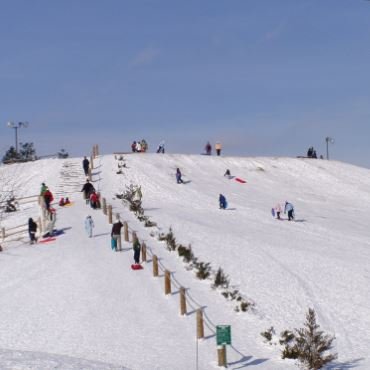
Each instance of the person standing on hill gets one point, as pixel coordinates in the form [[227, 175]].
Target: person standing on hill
[[218, 148], [116, 233], [160, 148], [137, 247], [278, 210], [43, 188], [222, 201], [290, 209], [89, 225], [32, 228], [85, 165], [48, 198], [178, 176], [208, 148]]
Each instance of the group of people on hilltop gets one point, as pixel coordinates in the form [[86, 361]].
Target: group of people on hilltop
[[311, 152], [208, 148], [139, 146]]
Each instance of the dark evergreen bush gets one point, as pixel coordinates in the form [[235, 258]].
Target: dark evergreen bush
[[221, 280], [203, 270]]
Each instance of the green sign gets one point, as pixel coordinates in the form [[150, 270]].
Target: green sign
[[223, 334]]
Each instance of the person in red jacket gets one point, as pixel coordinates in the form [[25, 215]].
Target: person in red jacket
[[94, 200], [48, 197]]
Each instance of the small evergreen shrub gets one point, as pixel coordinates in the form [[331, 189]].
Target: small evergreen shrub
[[221, 280], [268, 334], [286, 337], [203, 270], [171, 241], [310, 346], [149, 223], [245, 305], [186, 253]]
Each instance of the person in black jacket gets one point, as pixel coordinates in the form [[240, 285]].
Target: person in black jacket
[[32, 228], [85, 165], [87, 189], [116, 233]]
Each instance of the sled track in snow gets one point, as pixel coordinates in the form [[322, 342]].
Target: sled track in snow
[[28, 360], [71, 179]]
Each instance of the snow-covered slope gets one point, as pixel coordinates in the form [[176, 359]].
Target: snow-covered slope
[[78, 298]]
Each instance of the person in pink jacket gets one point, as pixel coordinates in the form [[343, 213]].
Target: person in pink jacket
[[278, 210]]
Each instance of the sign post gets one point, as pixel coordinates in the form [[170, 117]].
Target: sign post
[[223, 337]]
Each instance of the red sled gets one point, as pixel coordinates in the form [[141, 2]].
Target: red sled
[[238, 179], [136, 266], [47, 240]]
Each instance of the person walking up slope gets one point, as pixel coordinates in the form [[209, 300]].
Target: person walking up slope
[[89, 225], [116, 233], [87, 189], [32, 228], [290, 209], [85, 165], [278, 210], [178, 176], [136, 247], [222, 201]]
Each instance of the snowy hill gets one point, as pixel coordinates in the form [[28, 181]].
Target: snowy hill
[[77, 298]]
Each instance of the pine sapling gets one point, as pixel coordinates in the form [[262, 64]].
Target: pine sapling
[[221, 280], [310, 345]]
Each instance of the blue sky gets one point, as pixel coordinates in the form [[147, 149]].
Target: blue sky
[[264, 77]]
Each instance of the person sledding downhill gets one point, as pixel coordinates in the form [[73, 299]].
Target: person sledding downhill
[[290, 209], [222, 201]]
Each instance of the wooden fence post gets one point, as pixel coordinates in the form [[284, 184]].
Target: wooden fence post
[[155, 265], [91, 162], [125, 229], [221, 356], [39, 225], [143, 252], [182, 301], [167, 282], [200, 324], [110, 214], [3, 233], [104, 206]]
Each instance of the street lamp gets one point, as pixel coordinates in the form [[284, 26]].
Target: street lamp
[[16, 126], [331, 141]]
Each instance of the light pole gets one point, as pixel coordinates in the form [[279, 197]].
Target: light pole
[[331, 141], [16, 126]]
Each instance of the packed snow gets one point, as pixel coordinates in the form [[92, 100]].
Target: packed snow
[[75, 304]]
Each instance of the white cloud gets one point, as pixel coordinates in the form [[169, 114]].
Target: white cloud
[[145, 57]]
